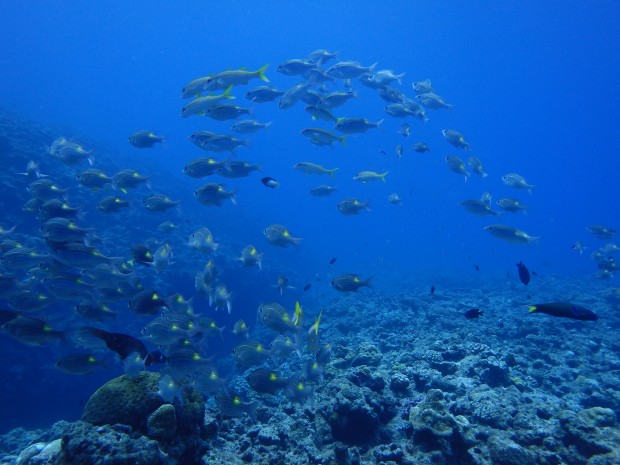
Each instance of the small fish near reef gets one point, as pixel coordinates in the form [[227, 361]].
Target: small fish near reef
[[564, 310], [524, 273], [473, 313]]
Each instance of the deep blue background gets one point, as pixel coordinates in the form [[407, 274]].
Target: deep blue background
[[535, 89]]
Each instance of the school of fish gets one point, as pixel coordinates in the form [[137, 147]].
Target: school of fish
[[65, 265]]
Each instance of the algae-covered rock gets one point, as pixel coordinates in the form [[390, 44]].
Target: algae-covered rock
[[367, 354], [131, 400], [191, 412], [505, 451], [125, 400], [436, 429], [85, 444], [162, 423], [593, 431]]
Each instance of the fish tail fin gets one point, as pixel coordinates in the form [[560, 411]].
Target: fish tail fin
[[532, 308], [382, 176], [535, 240], [379, 123], [227, 93], [261, 72], [343, 140], [332, 172]]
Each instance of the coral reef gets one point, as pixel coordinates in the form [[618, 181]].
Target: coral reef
[[483, 393]]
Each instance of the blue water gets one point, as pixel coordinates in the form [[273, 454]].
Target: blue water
[[534, 88]]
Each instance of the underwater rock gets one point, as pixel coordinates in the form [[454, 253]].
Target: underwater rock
[[399, 383], [210, 425], [365, 377], [366, 354], [493, 371], [495, 407], [162, 423], [351, 419], [49, 454], [268, 436], [593, 431], [29, 452], [125, 400], [133, 401], [85, 444], [130, 400], [190, 413], [504, 451], [613, 458], [388, 453], [436, 429]]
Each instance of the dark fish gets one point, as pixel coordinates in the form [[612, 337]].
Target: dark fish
[[275, 316], [524, 274], [297, 391], [307, 287], [31, 331], [141, 254], [270, 182], [146, 302], [125, 345], [564, 310], [312, 372], [144, 139], [333, 260], [349, 282], [112, 204], [476, 267], [79, 364], [232, 406], [473, 313], [432, 289], [250, 353], [265, 381]]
